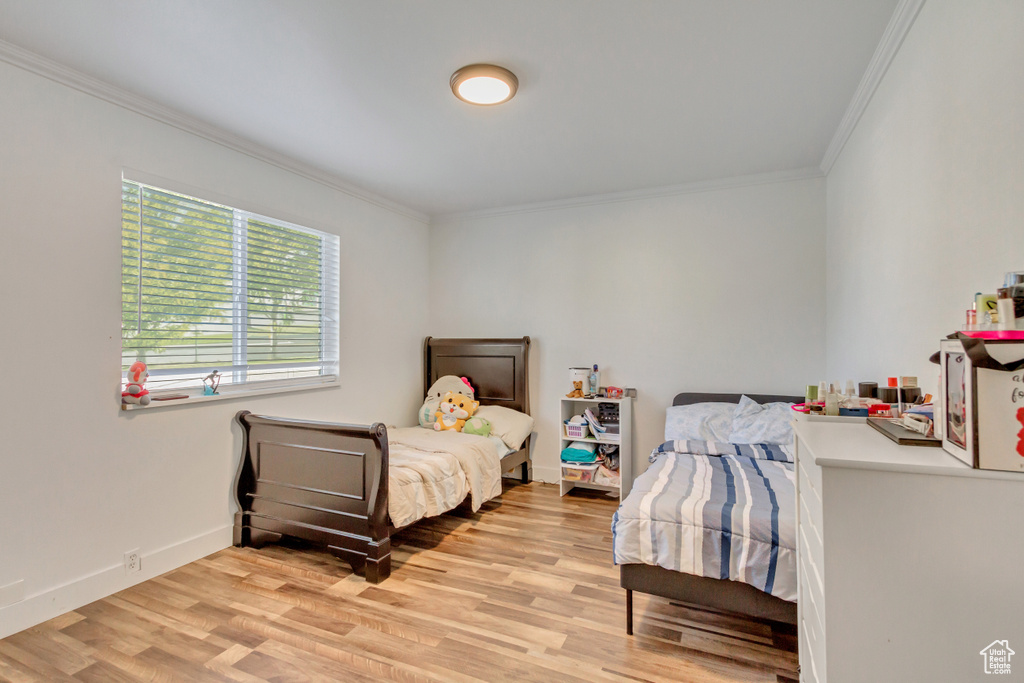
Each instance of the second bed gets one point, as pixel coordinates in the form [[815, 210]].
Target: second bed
[[713, 520]]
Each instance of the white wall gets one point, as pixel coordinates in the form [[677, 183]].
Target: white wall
[[80, 481], [709, 291], [924, 203]]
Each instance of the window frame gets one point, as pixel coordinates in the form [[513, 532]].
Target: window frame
[[239, 370]]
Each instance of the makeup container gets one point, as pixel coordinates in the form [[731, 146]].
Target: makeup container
[[985, 305], [888, 394], [1005, 311], [867, 389], [832, 400], [1013, 289]]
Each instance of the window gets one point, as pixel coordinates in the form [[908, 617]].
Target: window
[[206, 288]]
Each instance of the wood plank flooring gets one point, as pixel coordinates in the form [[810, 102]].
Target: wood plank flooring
[[524, 590]]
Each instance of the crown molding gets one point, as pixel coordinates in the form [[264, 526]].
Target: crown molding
[[899, 25], [635, 195], [54, 71]]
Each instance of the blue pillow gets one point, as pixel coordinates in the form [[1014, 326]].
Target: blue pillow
[[768, 423], [699, 422]]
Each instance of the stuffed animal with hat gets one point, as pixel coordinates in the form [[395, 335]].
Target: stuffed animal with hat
[[438, 389], [136, 393]]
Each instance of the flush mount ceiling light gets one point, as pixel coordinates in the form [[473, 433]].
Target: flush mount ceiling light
[[484, 84]]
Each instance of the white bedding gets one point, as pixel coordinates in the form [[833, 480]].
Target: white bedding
[[432, 472]]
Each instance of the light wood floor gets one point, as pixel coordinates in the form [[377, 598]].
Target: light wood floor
[[522, 591]]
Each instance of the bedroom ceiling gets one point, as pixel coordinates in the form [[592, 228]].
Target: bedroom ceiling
[[613, 95]]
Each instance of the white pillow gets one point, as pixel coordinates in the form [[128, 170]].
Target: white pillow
[[512, 426], [699, 422], [768, 423]]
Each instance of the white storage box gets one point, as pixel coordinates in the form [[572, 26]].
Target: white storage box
[[982, 397]]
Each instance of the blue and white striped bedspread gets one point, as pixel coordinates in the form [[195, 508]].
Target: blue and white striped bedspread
[[722, 516]]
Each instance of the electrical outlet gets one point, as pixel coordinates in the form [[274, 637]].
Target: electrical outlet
[[132, 561]]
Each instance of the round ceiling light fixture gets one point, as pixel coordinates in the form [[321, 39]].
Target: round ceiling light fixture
[[484, 84]]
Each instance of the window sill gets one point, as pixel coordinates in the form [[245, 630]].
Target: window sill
[[227, 394]]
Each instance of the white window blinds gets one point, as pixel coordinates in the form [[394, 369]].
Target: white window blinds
[[207, 287]]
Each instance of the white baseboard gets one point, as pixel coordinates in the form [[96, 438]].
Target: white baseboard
[[40, 607], [549, 475]]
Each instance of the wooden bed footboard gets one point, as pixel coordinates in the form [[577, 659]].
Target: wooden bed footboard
[[318, 481]]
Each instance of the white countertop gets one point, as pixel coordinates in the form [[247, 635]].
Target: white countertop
[[858, 446]]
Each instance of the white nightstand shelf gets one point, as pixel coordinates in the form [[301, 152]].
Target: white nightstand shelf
[[624, 440]]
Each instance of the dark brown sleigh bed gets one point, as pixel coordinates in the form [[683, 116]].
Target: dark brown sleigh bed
[[724, 595], [328, 483]]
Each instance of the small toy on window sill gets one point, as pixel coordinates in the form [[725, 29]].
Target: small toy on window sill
[[210, 383], [135, 392]]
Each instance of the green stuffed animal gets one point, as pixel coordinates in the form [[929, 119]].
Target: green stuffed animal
[[478, 426]]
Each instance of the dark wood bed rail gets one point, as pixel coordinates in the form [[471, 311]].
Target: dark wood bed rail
[[318, 481]]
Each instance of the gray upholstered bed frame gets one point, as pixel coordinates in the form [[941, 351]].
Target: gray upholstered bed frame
[[328, 483], [719, 594]]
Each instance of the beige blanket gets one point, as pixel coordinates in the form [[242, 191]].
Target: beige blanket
[[431, 472]]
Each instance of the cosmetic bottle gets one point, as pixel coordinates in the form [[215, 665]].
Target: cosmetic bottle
[[595, 381], [1013, 289], [832, 400], [1004, 309], [985, 305]]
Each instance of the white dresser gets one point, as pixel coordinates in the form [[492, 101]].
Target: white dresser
[[910, 563]]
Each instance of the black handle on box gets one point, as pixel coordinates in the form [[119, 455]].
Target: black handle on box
[[975, 350]]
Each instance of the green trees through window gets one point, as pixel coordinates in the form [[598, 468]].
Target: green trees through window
[[207, 287]]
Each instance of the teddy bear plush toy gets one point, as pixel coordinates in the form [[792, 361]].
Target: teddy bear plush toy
[[453, 412], [444, 384], [136, 392], [577, 390]]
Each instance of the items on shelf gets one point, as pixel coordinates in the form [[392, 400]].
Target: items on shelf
[[608, 414], [577, 390], [595, 424], [596, 441], [577, 427], [869, 400], [579, 472], [586, 383], [579, 378], [999, 315], [580, 452]]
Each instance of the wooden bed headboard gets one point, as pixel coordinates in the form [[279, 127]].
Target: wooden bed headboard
[[497, 368], [688, 398]]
